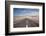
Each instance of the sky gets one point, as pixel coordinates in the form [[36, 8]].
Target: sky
[[25, 12]]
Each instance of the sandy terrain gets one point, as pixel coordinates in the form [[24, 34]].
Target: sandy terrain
[[22, 21]]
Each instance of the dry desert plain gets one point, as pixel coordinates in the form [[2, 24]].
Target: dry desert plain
[[25, 21]]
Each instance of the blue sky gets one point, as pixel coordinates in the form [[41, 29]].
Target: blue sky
[[25, 12]]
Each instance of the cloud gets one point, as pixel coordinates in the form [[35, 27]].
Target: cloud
[[25, 12]]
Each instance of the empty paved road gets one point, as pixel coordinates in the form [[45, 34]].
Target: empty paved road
[[26, 23]]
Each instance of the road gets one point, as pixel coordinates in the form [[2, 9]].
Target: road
[[26, 23]]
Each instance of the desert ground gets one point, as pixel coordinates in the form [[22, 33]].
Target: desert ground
[[26, 21]]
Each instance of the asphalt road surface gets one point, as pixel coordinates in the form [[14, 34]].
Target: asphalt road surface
[[26, 23]]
